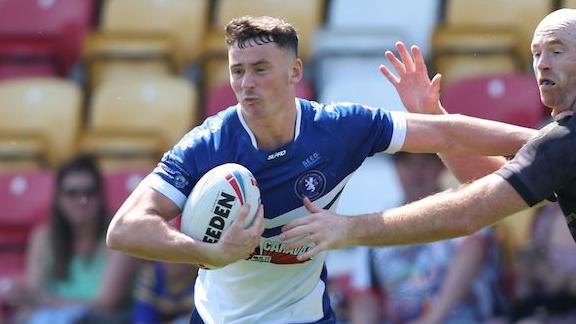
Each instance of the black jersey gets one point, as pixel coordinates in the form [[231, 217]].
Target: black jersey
[[546, 168]]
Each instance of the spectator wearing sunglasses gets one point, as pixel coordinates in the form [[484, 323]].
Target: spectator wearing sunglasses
[[70, 274]]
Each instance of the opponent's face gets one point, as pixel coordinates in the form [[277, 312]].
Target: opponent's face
[[263, 76], [554, 62], [78, 197]]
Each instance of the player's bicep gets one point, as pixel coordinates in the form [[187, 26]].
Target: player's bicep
[[145, 200], [423, 135]]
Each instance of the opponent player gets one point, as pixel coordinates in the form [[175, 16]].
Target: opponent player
[[295, 148], [545, 168]]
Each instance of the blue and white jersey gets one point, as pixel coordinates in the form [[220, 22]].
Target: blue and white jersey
[[330, 143]]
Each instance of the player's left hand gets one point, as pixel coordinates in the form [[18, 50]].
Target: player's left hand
[[325, 229], [418, 93]]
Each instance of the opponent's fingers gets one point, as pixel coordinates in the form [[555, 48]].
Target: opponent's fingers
[[310, 206], [294, 229], [405, 55], [389, 75], [396, 63], [436, 81], [311, 253], [418, 59], [299, 241]]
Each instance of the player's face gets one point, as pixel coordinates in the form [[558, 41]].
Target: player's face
[[78, 197], [554, 62], [263, 76]]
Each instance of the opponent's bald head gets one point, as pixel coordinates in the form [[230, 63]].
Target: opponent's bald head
[[564, 19]]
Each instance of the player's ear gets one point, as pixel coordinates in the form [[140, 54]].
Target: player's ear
[[297, 71]]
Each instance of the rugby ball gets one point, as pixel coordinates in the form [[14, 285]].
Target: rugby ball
[[215, 202]]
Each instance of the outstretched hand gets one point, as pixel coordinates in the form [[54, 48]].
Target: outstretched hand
[[418, 93], [325, 229]]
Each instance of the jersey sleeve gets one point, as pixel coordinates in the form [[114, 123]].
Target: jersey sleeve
[[179, 169], [373, 129], [543, 166]]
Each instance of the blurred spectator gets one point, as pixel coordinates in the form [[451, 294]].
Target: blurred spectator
[[164, 293], [70, 274], [452, 281], [546, 272]]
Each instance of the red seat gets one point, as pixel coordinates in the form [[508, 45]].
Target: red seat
[[26, 201], [223, 96], [509, 98], [119, 184], [53, 29]]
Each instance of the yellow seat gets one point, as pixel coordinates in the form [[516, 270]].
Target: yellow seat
[[171, 32], [493, 17], [139, 118], [457, 66], [39, 121]]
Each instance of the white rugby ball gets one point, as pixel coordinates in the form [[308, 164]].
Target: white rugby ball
[[215, 202]]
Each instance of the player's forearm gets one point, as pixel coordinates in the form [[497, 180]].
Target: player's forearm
[[150, 237], [483, 137], [442, 216], [467, 168]]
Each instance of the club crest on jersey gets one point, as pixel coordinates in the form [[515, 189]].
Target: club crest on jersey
[[310, 184]]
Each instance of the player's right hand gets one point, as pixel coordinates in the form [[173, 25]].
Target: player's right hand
[[237, 243]]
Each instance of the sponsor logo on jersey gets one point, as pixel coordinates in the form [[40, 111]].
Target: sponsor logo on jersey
[[276, 155], [311, 160], [274, 251], [310, 184]]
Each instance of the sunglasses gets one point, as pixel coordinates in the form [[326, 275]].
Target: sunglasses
[[79, 192]]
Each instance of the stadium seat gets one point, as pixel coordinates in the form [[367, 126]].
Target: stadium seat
[[393, 17], [26, 201], [39, 120], [509, 98], [138, 118], [167, 30], [461, 65], [118, 185], [487, 17], [47, 30], [223, 97]]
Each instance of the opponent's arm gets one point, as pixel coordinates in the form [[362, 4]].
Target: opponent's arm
[[140, 228], [441, 216], [419, 94]]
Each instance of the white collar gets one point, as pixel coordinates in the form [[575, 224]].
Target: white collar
[[249, 131]]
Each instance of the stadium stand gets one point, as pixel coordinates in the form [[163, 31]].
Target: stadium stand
[[118, 184], [39, 121], [374, 16], [132, 121], [42, 37], [494, 34], [568, 4], [26, 201], [162, 35], [509, 98]]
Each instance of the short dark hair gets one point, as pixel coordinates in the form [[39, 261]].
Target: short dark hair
[[248, 30]]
